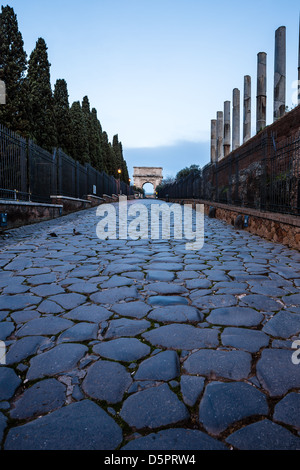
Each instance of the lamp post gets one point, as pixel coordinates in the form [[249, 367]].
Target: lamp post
[[119, 173]]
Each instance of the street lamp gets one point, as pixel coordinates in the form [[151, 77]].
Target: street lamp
[[119, 173]]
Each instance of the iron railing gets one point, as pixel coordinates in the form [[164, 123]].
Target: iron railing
[[263, 174], [28, 172]]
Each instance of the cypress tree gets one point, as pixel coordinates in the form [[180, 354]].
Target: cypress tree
[[96, 155], [13, 63], [62, 116], [42, 124], [109, 157], [79, 134], [118, 156]]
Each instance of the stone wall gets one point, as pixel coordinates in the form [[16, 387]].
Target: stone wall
[[278, 228], [25, 213]]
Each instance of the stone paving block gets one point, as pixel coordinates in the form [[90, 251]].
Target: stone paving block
[[165, 288], [167, 266], [235, 365], [187, 337], [292, 300], [61, 358], [83, 287], [126, 327], [106, 381], [176, 314], [276, 371], [9, 382], [24, 348], [136, 309], [43, 397], [50, 307], [287, 411], [224, 404], [6, 329], [41, 279], [122, 349], [264, 435], [235, 316], [113, 295], [161, 300], [79, 332], [175, 439], [160, 275], [79, 426], [283, 325], [153, 408], [18, 302], [68, 301], [214, 301], [163, 366], [118, 268], [89, 313], [191, 388], [44, 326], [242, 338], [261, 302], [24, 315], [117, 281], [45, 290]]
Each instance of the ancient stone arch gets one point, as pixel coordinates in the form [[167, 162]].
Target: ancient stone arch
[[143, 175]]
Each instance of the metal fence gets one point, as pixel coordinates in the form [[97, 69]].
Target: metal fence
[[264, 175], [28, 172]]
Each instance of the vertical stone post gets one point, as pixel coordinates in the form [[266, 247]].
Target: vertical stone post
[[213, 141], [261, 105], [236, 119], [247, 108], [280, 73], [220, 133], [227, 128]]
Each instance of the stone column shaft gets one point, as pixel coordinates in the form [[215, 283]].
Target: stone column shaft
[[227, 128], [236, 119], [261, 105], [220, 133], [280, 73], [247, 108], [213, 141]]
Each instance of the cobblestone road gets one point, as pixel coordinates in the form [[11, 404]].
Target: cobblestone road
[[142, 345]]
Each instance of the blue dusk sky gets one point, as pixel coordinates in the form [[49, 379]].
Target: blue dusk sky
[[157, 71]]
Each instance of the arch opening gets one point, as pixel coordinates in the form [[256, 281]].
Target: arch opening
[[149, 189]]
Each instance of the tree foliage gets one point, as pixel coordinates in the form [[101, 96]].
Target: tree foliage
[[34, 110], [13, 64], [193, 169]]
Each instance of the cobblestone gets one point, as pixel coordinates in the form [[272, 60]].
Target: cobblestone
[[106, 338]]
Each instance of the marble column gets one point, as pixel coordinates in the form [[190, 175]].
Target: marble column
[[236, 119], [280, 73], [220, 133], [227, 128], [261, 105], [247, 108], [213, 141]]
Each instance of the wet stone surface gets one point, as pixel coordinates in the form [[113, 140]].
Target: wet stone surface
[[143, 345]]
